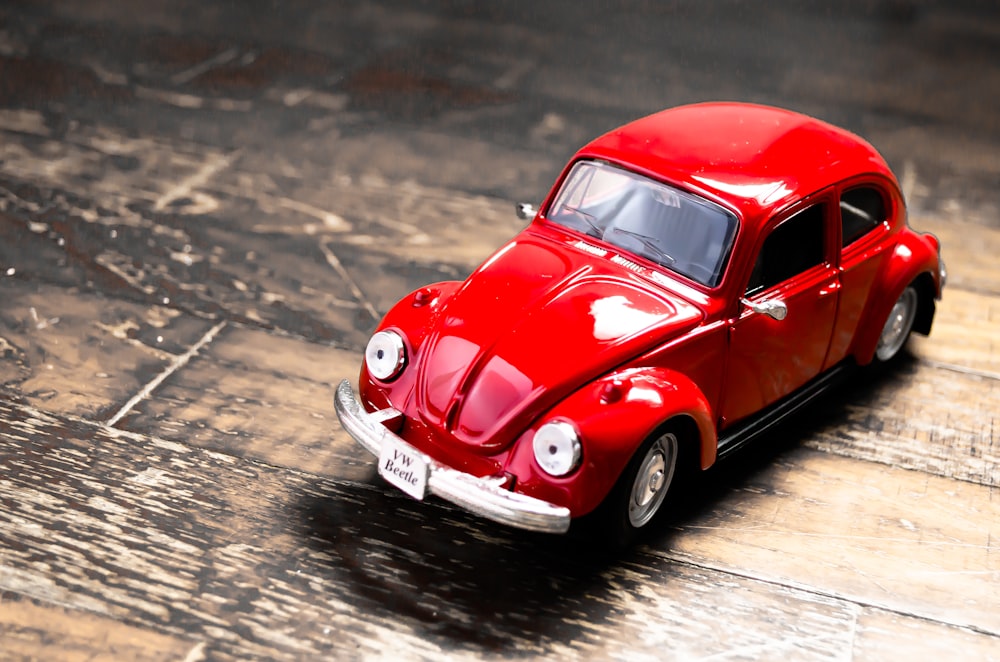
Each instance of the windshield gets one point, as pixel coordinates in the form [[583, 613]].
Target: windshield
[[673, 228]]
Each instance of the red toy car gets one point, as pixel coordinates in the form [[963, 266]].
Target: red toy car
[[692, 278]]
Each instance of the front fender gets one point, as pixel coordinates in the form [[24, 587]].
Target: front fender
[[412, 316], [614, 415], [413, 313]]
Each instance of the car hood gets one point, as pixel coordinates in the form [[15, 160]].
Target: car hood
[[537, 321]]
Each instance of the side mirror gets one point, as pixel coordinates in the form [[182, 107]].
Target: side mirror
[[525, 211], [773, 308]]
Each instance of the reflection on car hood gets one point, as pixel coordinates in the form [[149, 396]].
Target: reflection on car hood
[[534, 323]]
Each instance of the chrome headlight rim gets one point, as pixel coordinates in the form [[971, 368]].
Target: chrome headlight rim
[[385, 355], [557, 448]]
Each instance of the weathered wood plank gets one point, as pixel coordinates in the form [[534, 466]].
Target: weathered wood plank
[[33, 630], [895, 539], [257, 560], [296, 175], [212, 238], [966, 332], [269, 398], [381, 207], [969, 251], [884, 635], [261, 396], [921, 416], [168, 258], [84, 354]]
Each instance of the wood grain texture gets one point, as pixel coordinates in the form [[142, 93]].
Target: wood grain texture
[[263, 397], [969, 251], [105, 348], [966, 333], [891, 538], [256, 560], [923, 417], [205, 207], [33, 630], [885, 635]]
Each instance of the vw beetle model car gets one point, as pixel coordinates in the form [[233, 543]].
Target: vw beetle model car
[[692, 278]]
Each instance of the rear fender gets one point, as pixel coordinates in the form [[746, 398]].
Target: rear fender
[[614, 415], [915, 258]]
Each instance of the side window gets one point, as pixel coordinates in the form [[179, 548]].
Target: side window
[[790, 249], [862, 210]]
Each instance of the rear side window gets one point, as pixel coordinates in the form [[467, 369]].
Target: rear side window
[[791, 248], [862, 210]]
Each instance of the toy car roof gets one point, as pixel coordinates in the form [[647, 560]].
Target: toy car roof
[[754, 159]]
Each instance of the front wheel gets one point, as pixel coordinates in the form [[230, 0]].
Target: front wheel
[[652, 480], [898, 326], [637, 496]]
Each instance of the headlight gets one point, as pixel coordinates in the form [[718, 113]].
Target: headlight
[[557, 448], [385, 355]]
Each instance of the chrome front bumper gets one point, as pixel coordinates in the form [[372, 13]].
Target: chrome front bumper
[[483, 496]]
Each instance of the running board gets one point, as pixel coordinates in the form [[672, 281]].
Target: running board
[[742, 433]]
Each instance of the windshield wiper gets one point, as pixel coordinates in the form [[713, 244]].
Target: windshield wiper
[[589, 220], [648, 243]]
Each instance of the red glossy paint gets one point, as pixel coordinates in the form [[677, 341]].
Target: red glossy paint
[[555, 318], [559, 325], [754, 159]]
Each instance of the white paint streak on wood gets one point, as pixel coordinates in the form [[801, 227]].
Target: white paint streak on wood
[[178, 99], [330, 222], [193, 72], [191, 101], [105, 75], [308, 97], [334, 262], [196, 654], [514, 73], [965, 370], [199, 178], [175, 365]]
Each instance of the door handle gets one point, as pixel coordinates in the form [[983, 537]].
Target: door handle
[[773, 308]]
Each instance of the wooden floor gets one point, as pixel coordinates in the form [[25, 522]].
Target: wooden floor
[[206, 206]]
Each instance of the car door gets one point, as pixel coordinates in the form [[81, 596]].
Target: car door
[[864, 212], [769, 358]]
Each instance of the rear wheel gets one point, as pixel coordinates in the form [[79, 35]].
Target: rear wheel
[[898, 325]]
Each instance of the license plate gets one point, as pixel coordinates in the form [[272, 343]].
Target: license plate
[[401, 465]]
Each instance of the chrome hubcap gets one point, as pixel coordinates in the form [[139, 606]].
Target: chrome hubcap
[[897, 327], [655, 480], [652, 480]]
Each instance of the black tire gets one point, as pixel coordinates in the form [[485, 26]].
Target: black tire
[[898, 325], [637, 497]]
